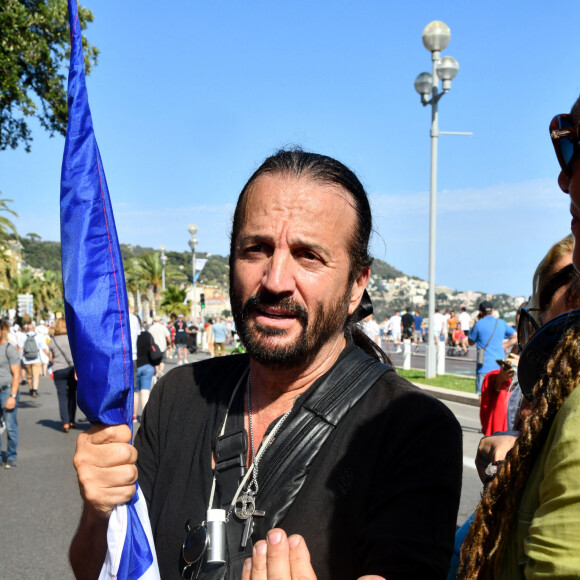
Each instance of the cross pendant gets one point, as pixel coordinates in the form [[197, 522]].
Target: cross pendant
[[249, 526]]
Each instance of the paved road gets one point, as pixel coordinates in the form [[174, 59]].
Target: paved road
[[468, 417], [41, 504], [461, 365]]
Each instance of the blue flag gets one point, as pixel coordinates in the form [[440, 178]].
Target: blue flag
[[96, 308]]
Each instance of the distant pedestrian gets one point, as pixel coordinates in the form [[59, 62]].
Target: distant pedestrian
[[439, 326], [208, 333], [452, 322], [407, 324], [193, 328], [9, 395], [396, 330], [145, 372], [489, 333], [459, 339], [219, 334], [181, 339], [371, 328], [464, 320], [30, 356], [64, 376], [42, 331], [419, 330], [161, 336]]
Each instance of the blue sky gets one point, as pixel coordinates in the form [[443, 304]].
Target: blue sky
[[188, 98]]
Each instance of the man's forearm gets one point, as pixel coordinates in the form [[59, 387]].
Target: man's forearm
[[89, 546]]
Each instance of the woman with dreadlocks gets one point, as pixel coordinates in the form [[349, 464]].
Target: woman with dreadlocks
[[528, 522]]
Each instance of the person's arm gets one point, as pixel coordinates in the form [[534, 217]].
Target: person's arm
[[513, 339], [11, 401], [105, 464], [504, 376], [472, 336]]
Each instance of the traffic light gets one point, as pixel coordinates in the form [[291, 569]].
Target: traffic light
[[202, 300]]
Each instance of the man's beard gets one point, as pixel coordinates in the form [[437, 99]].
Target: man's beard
[[317, 328]]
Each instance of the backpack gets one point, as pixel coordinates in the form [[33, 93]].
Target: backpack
[[30, 349]]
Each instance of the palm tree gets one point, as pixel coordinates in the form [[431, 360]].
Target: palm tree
[[150, 269], [7, 228], [48, 292], [173, 301], [132, 281]]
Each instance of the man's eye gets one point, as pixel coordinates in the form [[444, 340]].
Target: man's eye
[[256, 249], [309, 256]]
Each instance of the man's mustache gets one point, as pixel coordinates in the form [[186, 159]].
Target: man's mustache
[[269, 299]]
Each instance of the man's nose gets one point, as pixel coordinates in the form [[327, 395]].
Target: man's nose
[[279, 275]]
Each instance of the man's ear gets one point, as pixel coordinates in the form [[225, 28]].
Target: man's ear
[[358, 287]]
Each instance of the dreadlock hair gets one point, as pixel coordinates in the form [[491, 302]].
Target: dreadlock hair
[[485, 544], [328, 171]]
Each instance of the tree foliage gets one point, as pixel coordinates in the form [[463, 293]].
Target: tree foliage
[[34, 49], [39, 254], [7, 228], [173, 301]]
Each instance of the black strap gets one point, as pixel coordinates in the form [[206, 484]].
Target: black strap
[[286, 464], [487, 343]]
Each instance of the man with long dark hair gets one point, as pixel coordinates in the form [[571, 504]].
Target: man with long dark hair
[[310, 433]]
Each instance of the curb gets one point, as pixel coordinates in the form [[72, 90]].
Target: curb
[[451, 395]]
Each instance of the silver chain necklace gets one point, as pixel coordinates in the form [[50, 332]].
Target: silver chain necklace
[[245, 504]]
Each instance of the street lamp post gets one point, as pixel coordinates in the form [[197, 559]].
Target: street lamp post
[[436, 37], [163, 260], [192, 229]]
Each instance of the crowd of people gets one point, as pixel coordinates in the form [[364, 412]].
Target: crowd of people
[[449, 328], [30, 351], [26, 354]]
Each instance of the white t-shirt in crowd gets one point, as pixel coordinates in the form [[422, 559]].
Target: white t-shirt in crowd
[[464, 320]]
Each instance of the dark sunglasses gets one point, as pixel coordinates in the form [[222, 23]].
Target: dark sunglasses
[[565, 138], [193, 549], [527, 327]]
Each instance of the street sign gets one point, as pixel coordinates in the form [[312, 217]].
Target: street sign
[[25, 304]]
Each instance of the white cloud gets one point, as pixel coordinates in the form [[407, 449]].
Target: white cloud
[[488, 238]]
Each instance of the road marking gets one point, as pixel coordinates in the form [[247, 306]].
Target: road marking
[[457, 416], [469, 462]]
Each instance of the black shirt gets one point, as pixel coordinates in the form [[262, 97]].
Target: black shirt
[[381, 497], [408, 320], [144, 341]]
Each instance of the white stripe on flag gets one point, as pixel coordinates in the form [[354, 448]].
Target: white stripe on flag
[[116, 534]]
